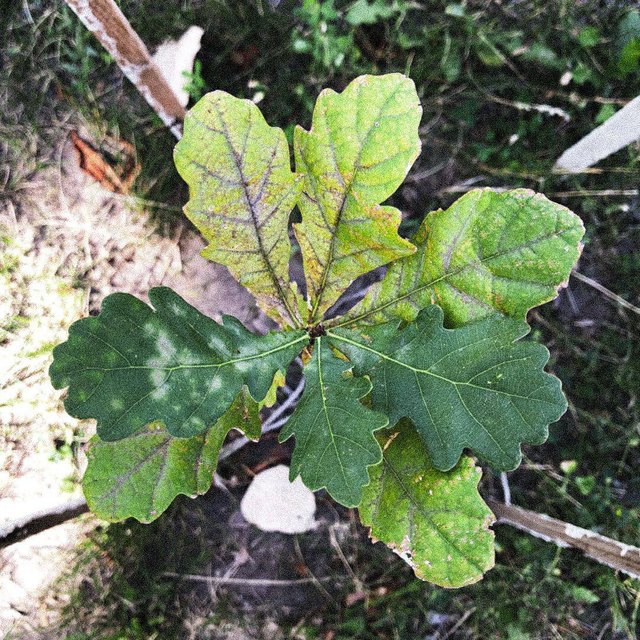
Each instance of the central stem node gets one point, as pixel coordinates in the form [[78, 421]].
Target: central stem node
[[316, 331]]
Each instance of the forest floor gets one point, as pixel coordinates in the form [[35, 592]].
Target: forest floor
[[487, 74], [69, 243]]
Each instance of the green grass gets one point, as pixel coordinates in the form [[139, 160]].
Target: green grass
[[476, 65]]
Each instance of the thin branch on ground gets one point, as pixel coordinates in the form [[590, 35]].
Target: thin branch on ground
[[614, 554], [506, 490], [250, 582], [596, 193], [606, 292]]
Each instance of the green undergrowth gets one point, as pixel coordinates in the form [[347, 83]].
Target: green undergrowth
[[483, 71]]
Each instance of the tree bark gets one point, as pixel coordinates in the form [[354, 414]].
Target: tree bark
[[109, 25]]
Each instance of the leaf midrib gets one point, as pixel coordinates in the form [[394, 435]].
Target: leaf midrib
[[120, 480], [416, 370], [204, 365], [237, 158], [325, 411], [327, 267]]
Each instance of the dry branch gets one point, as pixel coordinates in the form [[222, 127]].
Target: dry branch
[[604, 550], [41, 520], [617, 132], [109, 25], [614, 554]]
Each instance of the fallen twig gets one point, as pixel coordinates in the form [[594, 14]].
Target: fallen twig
[[110, 26], [607, 551], [596, 193], [251, 582], [41, 520], [606, 292]]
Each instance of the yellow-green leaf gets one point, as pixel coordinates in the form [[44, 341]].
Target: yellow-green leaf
[[489, 252], [140, 476], [437, 522], [362, 144], [242, 192]]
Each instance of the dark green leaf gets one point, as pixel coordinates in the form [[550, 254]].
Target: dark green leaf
[[334, 431], [132, 365], [471, 387]]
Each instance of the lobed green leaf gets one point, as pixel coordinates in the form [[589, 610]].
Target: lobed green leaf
[[242, 193], [333, 429], [474, 387], [435, 521], [361, 145], [133, 365], [490, 251], [140, 476]]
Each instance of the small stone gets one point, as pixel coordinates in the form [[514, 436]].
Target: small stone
[[272, 503]]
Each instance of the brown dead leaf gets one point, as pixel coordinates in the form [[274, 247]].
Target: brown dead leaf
[[114, 165]]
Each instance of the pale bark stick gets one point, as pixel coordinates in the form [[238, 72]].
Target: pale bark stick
[[607, 551], [109, 25], [617, 132]]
